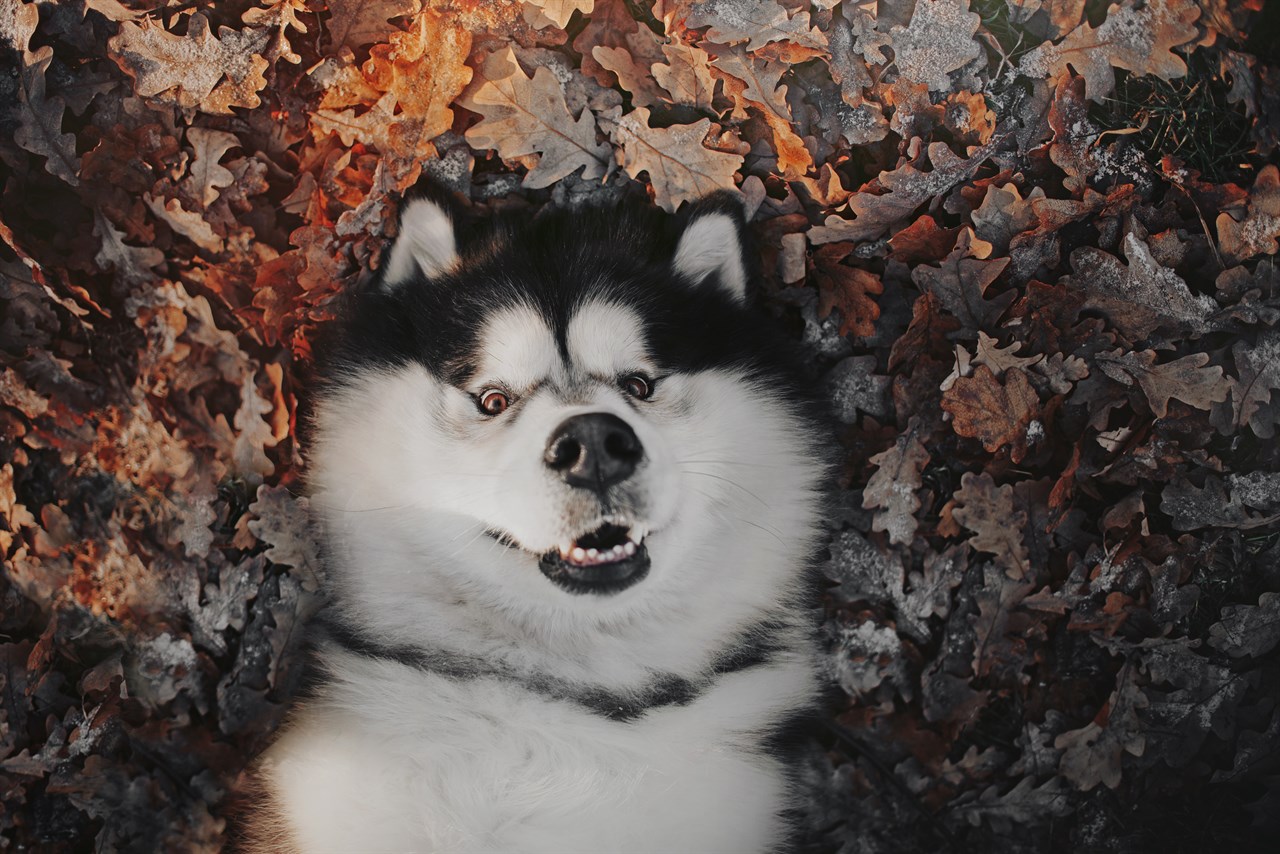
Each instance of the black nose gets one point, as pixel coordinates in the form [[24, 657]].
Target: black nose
[[593, 451]]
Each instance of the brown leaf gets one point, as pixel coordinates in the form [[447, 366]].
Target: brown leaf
[[988, 511], [528, 116], [207, 177], [41, 128], [1258, 232], [1141, 297], [554, 13], [751, 81], [756, 22], [938, 40], [1185, 379], [356, 23], [1092, 755], [686, 75], [908, 188], [189, 70], [891, 491], [961, 283], [995, 414], [680, 166], [849, 289], [1138, 39]]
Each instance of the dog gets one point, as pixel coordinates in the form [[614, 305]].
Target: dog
[[570, 486]]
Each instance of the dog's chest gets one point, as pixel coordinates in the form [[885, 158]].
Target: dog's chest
[[483, 766]]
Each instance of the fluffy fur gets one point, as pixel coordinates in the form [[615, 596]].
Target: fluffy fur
[[467, 695]]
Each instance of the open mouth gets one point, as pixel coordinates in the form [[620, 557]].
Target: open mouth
[[605, 560]]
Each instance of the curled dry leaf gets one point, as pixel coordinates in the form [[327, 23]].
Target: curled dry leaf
[[891, 491]]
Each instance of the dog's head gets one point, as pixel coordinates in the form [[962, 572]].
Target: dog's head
[[576, 416]]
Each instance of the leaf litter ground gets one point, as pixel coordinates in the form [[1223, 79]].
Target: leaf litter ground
[[1028, 247]]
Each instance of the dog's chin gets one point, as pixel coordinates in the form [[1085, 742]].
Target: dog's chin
[[604, 561]]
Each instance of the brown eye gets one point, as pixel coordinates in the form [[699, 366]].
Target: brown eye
[[494, 402], [638, 386]]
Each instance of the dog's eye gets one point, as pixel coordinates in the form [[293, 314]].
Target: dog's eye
[[638, 386], [493, 402]]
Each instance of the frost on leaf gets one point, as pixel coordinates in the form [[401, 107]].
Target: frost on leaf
[[756, 22], [1259, 231], [1141, 297], [938, 40], [1138, 39], [196, 70]]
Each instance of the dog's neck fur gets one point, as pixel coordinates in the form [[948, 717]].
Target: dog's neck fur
[[681, 633]]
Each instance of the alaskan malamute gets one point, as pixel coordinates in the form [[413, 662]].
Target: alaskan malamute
[[569, 493]]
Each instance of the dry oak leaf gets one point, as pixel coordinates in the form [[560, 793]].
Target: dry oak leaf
[[1004, 214], [355, 23], [938, 40], [996, 414], [686, 75], [282, 15], [18, 23], [1140, 297], [425, 69], [1259, 231], [1186, 379], [526, 116], [891, 491], [131, 263], [198, 70], [207, 176], [756, 22], [633, 76], [988, 511], [1251, 630], [680, 167], [754, 81], [1093, 754], [960, 283], [1254, 398], [1139, 40], [554, 13], [41, 128], [908, 188], [1000, 359], [849, 289]]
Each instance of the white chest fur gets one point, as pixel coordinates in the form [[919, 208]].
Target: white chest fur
[[393, 759]]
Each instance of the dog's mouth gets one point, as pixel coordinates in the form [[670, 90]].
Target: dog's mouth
[[607, 559]]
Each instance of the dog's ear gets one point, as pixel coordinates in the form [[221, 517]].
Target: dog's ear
[[426, 243], [711, 247]]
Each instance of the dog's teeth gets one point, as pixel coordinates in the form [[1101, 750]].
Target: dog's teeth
[[592, 554], [629, 549], [578, 554]]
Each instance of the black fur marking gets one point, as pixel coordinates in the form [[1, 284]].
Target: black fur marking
[[665, 690], [754, 648]]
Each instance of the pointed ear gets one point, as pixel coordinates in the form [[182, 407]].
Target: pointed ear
[[711, 247], [426, 243]]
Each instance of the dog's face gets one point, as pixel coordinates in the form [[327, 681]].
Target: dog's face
[[574, 416]]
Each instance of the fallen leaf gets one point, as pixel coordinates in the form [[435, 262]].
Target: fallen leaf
[[998, 415], [892, 490], [1186, 379], [938, 40], [528, 116], [680, 167]]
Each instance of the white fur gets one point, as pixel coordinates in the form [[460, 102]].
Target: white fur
[[710, 244], [407, 476], [426, 243]]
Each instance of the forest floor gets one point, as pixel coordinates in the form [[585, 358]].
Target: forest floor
[[1028, 247]]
